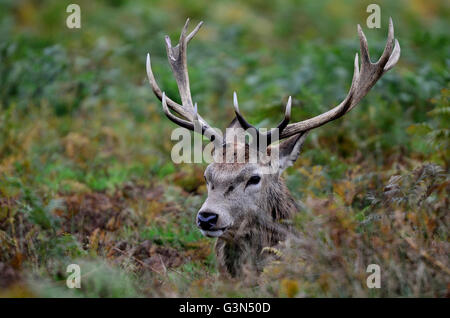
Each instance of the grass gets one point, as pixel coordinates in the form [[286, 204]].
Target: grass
[[85, 169]]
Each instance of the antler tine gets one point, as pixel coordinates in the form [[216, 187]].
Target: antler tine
[[194, 32], [207, 131], [287, 115], [268, 135], [363, 80], [177, 57], [159, 93], [283, 124], [364, 47], [183, 32], [245, 124], [371, 72], [180, 122], [393, 59], [389, 44]]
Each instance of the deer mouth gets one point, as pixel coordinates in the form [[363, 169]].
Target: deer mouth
[[214, 232]]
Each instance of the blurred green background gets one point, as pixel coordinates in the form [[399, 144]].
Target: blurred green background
[[79, 122]]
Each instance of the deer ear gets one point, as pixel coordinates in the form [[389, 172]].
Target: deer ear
[[289, 150]]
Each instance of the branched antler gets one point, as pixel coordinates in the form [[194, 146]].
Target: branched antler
[[177, 56], [364, 79], [362, 82]]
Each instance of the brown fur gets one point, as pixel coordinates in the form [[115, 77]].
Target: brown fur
[[241, 248]]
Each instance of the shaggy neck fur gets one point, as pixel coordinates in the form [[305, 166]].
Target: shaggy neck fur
[[241, 250]]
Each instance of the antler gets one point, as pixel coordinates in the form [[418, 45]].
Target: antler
[[178, 62], [268, 135], [362, 82]]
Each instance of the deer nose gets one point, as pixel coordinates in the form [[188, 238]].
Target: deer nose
[[207, 220]]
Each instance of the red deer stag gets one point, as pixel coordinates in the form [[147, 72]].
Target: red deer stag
[[245, 206]]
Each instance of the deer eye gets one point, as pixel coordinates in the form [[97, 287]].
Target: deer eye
[[253, 180]]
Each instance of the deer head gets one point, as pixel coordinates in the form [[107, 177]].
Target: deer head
[[242, 197]]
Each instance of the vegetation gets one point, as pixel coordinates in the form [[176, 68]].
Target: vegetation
[[85, 169]]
